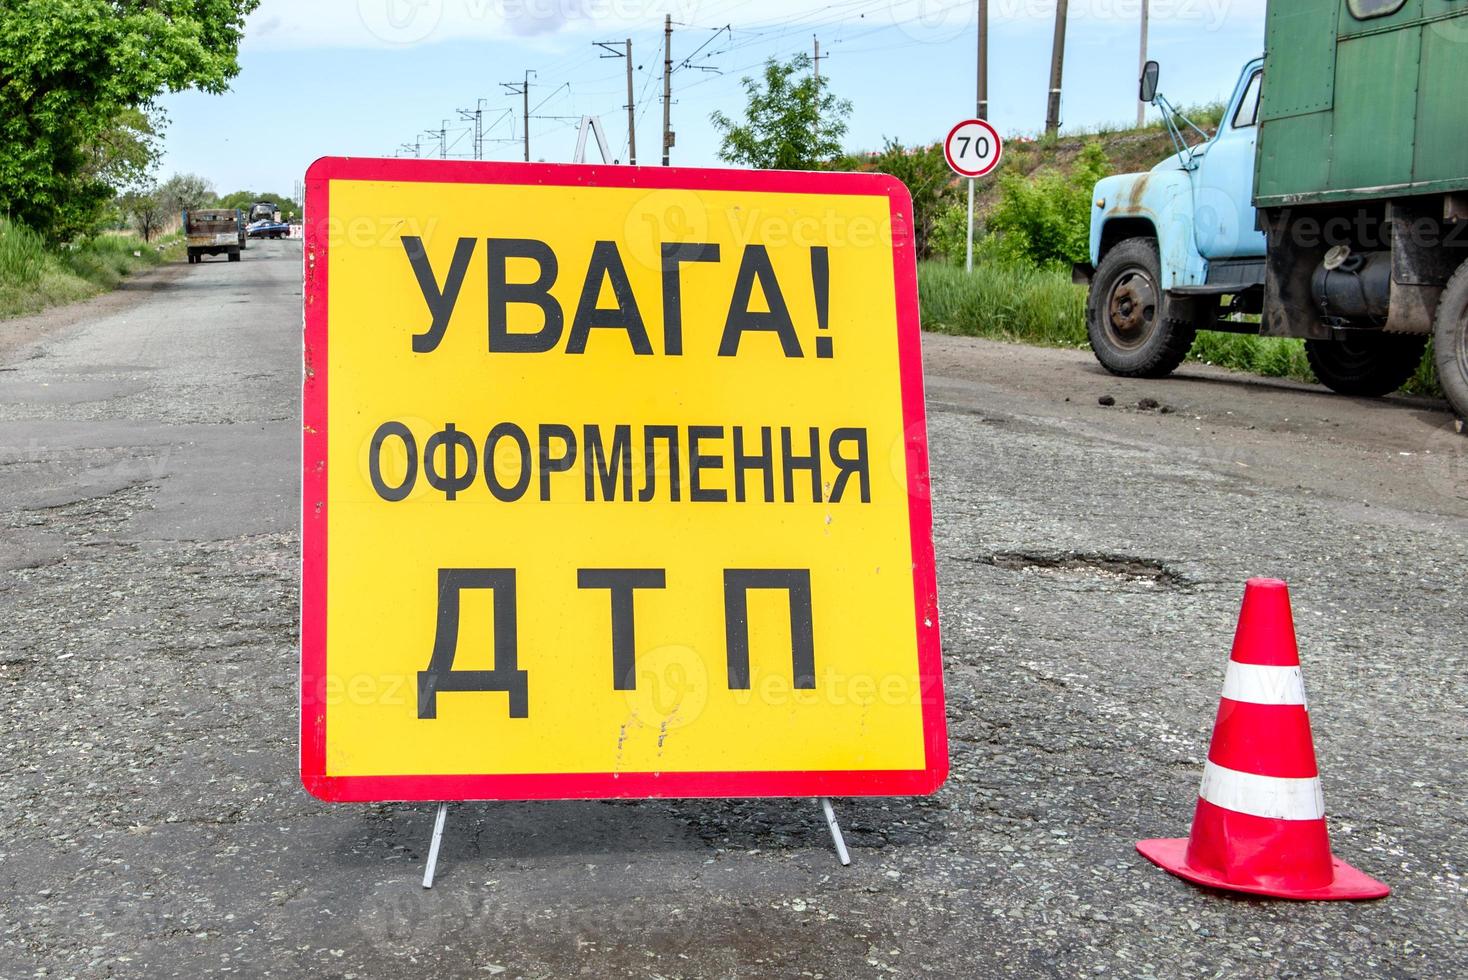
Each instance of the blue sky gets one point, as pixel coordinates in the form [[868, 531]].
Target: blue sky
[[365, 77]]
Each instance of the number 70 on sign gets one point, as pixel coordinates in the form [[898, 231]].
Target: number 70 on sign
[[973, 148]]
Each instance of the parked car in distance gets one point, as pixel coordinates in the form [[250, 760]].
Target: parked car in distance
[[266, 221]]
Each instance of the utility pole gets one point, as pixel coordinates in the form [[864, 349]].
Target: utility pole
[[1141, 66], [631, 111], [476, 116], [626, 52], [442, 134], [522, 89], [667, 86], [1057, 65], [981, 107], [816, 61]]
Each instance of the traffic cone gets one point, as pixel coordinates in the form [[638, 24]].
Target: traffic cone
[[1259, 826]]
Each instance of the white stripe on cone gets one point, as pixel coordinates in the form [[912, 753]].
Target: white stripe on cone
[[1258, 684], [1273, 797]]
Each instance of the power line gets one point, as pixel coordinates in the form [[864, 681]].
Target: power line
[[709, 56]]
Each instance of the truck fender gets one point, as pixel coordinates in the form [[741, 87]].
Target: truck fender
[[1157, 204]]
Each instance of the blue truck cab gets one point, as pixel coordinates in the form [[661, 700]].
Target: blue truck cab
[[1171, 246]]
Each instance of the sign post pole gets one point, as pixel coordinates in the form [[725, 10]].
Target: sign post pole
[[431, 865], [973, 149], [835, 828], [968, 263]]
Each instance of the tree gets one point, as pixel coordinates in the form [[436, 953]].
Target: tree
[[791, 122], [146, 210], [185, 192], [71, 70]]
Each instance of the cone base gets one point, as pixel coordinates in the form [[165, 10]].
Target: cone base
[[1170, 854]]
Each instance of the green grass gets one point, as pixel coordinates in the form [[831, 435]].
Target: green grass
[[1042, 306], [33, 277], [1032, 306]]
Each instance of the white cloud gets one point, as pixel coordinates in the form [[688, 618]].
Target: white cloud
[[395, 23]]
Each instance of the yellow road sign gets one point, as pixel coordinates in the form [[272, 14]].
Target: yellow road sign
[[615, 485]]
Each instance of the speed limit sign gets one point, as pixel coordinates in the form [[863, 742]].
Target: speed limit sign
[[973, 148]]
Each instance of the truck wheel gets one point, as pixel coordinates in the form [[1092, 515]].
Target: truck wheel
[[1136, 331], [1368, 365], [234, 255], [1450, 341]]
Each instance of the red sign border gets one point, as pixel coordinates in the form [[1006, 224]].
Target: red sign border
[[623, 785], [998, 141]]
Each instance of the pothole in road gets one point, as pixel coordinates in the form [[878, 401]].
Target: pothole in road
[[1073, 567]]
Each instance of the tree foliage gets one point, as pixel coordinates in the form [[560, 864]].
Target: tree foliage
[[123, 154], [186, 192], [791, 121], [1045, 218], [73, 76]]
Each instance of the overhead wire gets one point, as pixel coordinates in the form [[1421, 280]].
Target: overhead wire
[[843, 13]]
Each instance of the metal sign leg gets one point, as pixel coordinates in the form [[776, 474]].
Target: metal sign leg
[[432, 865], [835, 828], [968, 255]]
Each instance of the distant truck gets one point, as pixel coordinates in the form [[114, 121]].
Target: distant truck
[[265, 221], [1332, 202], [212, 231]]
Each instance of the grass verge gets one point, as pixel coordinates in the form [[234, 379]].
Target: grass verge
[[33, 277], [1042, 306]]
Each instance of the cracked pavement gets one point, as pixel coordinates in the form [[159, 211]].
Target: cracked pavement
[[1091, 562]]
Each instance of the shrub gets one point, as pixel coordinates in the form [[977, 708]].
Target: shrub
[[948, 237], [1044, 219]]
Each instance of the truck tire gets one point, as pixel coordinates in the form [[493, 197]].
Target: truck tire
[[234, 255], [1450, 341], [1135, 329], [1367, 365]]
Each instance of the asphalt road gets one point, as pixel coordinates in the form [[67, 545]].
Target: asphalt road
[[1091, 563]]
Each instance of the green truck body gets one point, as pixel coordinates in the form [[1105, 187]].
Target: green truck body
[[1362, 99]]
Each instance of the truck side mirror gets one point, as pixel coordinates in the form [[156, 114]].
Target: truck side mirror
[[1147, 91]]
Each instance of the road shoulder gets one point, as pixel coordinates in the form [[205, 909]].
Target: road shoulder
[[19, 334]]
